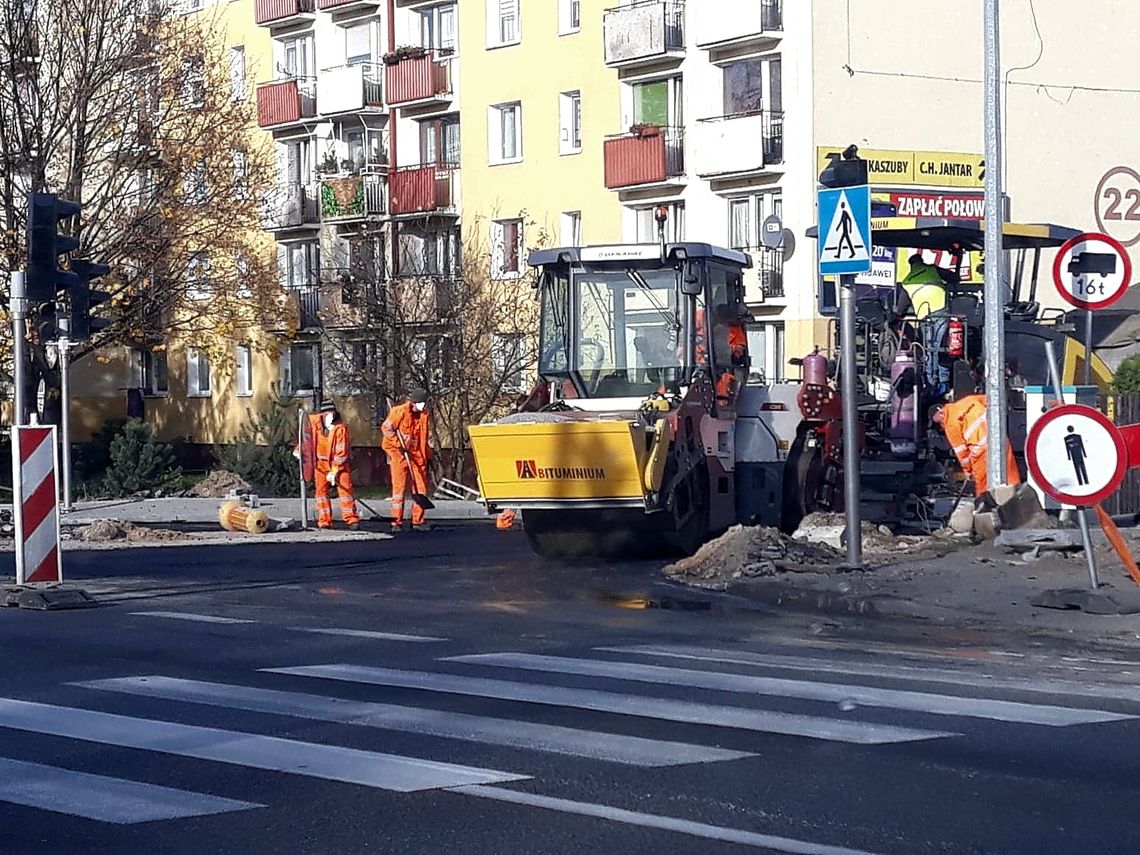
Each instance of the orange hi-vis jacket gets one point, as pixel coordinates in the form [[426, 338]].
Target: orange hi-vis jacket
[[333, 447], [966, 430], [405, 425]]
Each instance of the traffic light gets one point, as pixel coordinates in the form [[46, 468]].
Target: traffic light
[[79, 324], [846, 170], [44, 277], [47, 322]]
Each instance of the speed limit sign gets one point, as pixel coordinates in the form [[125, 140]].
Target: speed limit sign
[[1092, 271]]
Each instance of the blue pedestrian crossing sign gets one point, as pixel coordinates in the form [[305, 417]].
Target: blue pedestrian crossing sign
[[844, 230]]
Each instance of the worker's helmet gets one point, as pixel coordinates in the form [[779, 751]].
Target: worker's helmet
[[327, 407], [418, 396]]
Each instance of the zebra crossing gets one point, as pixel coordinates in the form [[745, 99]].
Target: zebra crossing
[[725, 716]]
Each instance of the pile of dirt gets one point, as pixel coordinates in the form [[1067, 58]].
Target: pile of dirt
[[105, 531], [879, 541], [219, 484], [751, 551]]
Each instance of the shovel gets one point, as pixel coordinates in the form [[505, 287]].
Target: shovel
[[419, 498]]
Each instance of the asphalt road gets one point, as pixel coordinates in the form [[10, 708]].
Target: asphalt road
[[449, 692]]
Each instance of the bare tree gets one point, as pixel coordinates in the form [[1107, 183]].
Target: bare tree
[[129, 107]]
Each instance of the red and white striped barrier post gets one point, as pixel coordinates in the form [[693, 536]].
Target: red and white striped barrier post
[[35, 492]]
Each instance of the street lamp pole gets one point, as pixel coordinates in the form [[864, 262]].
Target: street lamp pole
[[996, 291]]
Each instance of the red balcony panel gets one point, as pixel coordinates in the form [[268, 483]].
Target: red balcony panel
[[278, 102], [416, 79], [634, 159], [325, 5], [271, 11], [412, 190]]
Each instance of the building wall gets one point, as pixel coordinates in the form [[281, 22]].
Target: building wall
[[534, 72]]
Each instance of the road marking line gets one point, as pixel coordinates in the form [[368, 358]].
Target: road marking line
[[104, 799], [192, 617], [329, 762], [367, 633], [665, 823], [742, 718], [609, 747], [971, 677], [804, 690]]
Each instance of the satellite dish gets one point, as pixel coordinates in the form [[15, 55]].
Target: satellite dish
[[789, 244]]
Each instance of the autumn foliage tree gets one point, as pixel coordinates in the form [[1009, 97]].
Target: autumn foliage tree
[[127, 107]]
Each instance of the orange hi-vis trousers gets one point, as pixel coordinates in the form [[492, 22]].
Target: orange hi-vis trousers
[[404, 478], [345, 491]]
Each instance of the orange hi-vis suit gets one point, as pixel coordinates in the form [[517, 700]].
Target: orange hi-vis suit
[[406, 430], [332, 453], [964, 422]]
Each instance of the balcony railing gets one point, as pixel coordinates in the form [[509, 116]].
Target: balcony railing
[[422, 189], [286, 101], [290, 206], [728, 145], [346, 5], [770, 264], [352, 198], [276, 13], [649, 30], [351, 88], [308, 307], [647, 155], [418, 80], [731, 22]]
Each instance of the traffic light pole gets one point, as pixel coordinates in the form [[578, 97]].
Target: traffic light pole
[[849, 394], [18, 305], [64, 347]]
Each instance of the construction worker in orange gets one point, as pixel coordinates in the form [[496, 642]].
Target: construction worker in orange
[[405, 441], [333, 467], [964, 423]]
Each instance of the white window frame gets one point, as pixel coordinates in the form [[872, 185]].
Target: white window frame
[[285, 369], [499, 255], [432, 34], [571, 228], [496, 141], [193, 83], [239, 88], [198, 276], [568, 10], [758, 207], [243, 371], [570, 122], [197, 368], [359, 58], [507, 357], [145, 374], [674, 225], [502, 15], [196, 184]]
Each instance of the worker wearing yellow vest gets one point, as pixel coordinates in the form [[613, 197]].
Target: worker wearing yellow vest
[[925, 285], [405, 441], [333, 467], [964, 423]]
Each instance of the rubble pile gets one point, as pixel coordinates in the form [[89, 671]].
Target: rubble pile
[[751, 551], [218, 485], [103, 531]]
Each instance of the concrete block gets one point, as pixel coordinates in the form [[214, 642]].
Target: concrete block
[[1002, 493], [962, 517], [829, 535], [1020, 508], [987, 524], [1103, 601], [1054, 540]]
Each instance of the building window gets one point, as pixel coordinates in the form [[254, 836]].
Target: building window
[[746, 217], [502, 22], [193, 83], [505, 131], [148, 372], [507, 248], [571, 228], [198, 276], [299, 369], [508, 356], [570, 122], [749, 84], [658, 102], [244, 372], [429, 362], [195, 186], [437, 28], [238, 89], [569, 16], [645, 223], [243, 290], [739, 215], [439, 141], [297, 58], [299, 263], [766, 347], [357, 44], [197, 374]]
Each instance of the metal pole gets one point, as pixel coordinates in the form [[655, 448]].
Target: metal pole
[[1054, 372], [18, 305], [995, 287], [1088, 346], [64, 347], [301, 467], [1086, 539], [849, 390]]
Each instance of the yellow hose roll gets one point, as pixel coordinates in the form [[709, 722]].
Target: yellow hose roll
[[235, 516]]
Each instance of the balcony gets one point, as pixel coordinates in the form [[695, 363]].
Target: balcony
[[341, 6], [418, 81], [648, 155], [645, 32], [284, 102], [770, 269], [279, 13], [290, 206], [351, 89], [415, 190], [738, 23], [356, 197], [738, 146]]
